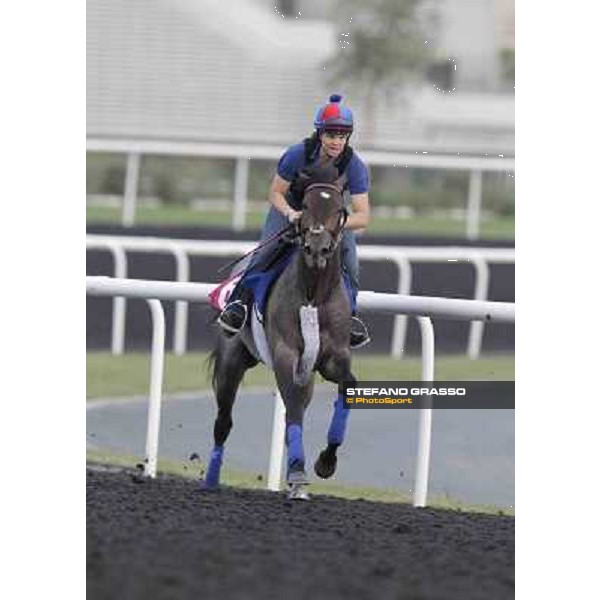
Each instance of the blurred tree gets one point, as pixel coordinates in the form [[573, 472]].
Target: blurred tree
[[381, 49], [105, 173], [114, 180], [288, 7]]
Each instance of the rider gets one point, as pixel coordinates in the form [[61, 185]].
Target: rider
[[334, 124]]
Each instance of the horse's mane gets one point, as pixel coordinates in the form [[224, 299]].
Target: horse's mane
[[325, 172]]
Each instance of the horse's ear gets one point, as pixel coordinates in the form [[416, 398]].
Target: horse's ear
[[322, 172]]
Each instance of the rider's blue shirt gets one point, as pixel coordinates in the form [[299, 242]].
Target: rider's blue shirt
[[293, 161]]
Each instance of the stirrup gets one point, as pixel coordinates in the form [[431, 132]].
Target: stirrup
[[360, 338], [230, 311]]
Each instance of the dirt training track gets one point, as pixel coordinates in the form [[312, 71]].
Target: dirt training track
[[166, 538]]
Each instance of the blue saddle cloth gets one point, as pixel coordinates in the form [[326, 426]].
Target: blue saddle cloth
[[260, 281]]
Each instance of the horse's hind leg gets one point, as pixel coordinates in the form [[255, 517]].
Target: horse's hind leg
[[232, 360], [336, 370]]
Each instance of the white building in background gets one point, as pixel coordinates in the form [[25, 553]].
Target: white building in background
[[472, 32], [240, 72]]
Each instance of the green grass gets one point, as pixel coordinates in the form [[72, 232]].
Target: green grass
[[173, 215], [194, 469], [129, 374], [494, 228], [497, 228]]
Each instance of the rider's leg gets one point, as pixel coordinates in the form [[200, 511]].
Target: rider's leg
[[359, 335], [233, 317], [274, 223]]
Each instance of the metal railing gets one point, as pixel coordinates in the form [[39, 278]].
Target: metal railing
[[421, 307], [402, 257], [243, 153]]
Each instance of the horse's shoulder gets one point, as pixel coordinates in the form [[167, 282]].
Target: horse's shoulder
[[282, 290]]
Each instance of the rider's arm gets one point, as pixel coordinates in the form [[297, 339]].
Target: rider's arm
[[359, 219], [358, 184], [279, 187]]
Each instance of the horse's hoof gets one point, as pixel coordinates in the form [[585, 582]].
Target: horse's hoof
[[325, 465], [297, 492], [208, 487]]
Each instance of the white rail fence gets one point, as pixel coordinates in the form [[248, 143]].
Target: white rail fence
[[402, 257], [243, 153], [421, 307]]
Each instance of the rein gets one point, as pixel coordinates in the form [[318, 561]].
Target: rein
[[286, 231]]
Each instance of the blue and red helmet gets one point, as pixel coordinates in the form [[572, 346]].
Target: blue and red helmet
[[334, 116]]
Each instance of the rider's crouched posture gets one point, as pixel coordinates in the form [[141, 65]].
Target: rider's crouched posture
[[334, 124]]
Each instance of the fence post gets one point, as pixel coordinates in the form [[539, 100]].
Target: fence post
[[156, 378], [240, 198], [131, 189], [181, 306], [425, 414], [401, 321], [117, 343], [277, 444], [481, 291], [474, 205]]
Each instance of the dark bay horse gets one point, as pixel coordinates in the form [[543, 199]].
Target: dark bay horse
[[307, 328]]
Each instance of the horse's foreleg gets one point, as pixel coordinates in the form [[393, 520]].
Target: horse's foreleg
[[338, 371], [295, 398]]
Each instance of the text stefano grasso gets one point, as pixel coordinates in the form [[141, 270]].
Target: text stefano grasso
[[403, 391]]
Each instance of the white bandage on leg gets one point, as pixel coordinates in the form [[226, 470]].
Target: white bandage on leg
[[309, 325]]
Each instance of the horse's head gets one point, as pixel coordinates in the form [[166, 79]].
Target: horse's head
[[322, 221]]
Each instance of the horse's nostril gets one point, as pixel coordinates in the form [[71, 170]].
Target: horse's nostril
[[324, 251]]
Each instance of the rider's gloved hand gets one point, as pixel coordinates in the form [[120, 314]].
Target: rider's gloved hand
[[292, 215]]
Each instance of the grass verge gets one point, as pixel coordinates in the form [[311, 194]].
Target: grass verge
[[497, 227], [129, 374]]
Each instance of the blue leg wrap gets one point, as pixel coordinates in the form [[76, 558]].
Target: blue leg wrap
[[214, 467], [337, 428], [295, 448]]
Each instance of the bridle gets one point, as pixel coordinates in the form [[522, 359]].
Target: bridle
[[335, 234]]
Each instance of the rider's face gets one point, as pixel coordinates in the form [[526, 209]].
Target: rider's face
[[333, 142]]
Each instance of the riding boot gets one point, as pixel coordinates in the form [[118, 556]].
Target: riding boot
[[233, 318], [359, 334]]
